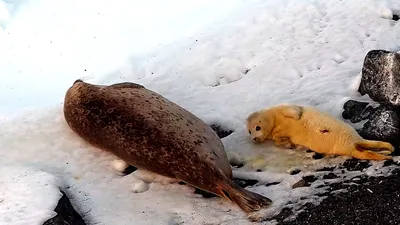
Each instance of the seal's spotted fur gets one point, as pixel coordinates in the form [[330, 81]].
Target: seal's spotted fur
[[150, 132]]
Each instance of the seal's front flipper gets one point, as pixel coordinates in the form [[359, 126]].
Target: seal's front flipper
[[293, 111]]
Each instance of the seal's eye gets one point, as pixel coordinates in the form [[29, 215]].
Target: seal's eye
[[258, 128], [249, 131]]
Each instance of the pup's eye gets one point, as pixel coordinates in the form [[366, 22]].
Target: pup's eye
[[258, 128], [249, 131]]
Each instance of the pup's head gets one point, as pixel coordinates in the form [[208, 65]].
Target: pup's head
[[259, 126]]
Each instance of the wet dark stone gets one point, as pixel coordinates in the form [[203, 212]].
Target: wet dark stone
[[239, 165], [300, 183], [390, 162], [295, 171], [310, 178], [245, 183], [373, 202], [382, 123], [66, 214], [355, 164], [326, 169], [305, 181], [220, 131], [330, 176], [205, 194], [318, 156], [273, 183], [381, 77], [129, 170], [355, 111]]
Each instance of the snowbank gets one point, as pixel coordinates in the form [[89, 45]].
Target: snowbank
[[27, 195]]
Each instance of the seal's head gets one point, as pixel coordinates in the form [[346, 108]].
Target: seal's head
[[259, 126]]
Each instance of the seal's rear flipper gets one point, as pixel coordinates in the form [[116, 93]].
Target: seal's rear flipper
[[248, 201], [367, 155], [376, 146]]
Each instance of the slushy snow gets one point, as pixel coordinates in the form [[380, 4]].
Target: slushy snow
[[221, 60]]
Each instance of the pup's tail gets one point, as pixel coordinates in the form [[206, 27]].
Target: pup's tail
[[248, 201], [376, 146], [375, 150]]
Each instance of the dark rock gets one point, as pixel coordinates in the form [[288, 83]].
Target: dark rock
[[259, 170], [318, 156], [66, 214], [221, 132], [295, 171], [245, 183], [381, 77], [310, 178], [326, 169], [205, 194], [390, 162], [355, 111], [373, 202], [300, 183], [382, 123], [330, 176], [355, 164], [305, 181], [129, 170], [273, 183], [237, 165], [395, 17]]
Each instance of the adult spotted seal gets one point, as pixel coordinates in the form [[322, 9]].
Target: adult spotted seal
[[150, 132], [305, 127]]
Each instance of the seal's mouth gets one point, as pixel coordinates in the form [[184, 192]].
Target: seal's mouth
[[257, 139]]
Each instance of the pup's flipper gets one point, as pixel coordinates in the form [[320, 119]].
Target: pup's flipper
[[375, 146], [292, 111], [372, 150]]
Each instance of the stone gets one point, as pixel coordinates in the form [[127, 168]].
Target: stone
[[221, 131], [66, 214], [381, 77], [381, 123], [355, 111]]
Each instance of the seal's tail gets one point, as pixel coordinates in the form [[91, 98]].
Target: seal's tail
[[376, 146], [248, 201], [374, 150]]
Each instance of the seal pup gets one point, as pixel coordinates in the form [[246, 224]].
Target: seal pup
[[304, 126], [152, 133]]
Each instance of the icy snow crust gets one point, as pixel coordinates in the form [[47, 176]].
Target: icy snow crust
[[27, 195], [266, 53]]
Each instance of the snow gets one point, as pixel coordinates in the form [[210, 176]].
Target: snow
[[222, 60], [27, 195]]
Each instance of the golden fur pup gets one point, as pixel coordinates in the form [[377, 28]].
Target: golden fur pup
[[302, 126]]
